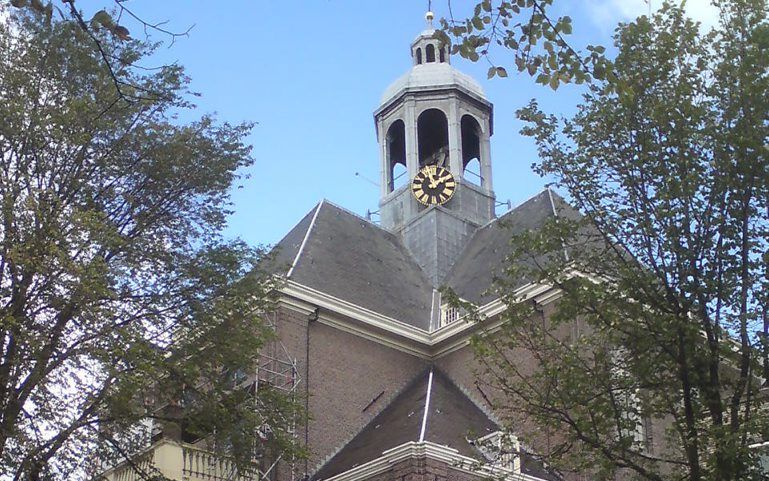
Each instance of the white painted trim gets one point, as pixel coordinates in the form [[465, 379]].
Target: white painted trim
[[373, 318], [427, 406], [432, 308], [393, 333], [306, 236], [427, 449]]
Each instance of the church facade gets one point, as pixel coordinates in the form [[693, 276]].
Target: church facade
[[364, 335], [384, 360]]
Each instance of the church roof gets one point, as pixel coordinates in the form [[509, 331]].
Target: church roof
[[483, 258], [341, 254], [452, 418]]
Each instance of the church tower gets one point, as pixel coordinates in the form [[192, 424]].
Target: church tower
[[433, 127]]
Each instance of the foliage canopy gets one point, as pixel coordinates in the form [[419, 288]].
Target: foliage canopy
[[117, 293], [650, 363]]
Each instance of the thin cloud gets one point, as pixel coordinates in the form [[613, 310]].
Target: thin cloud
[[607, 13]]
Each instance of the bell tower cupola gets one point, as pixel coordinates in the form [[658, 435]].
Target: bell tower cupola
[[433, 127]]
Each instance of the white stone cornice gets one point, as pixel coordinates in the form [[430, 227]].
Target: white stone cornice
[[428, 450], [382, 329]]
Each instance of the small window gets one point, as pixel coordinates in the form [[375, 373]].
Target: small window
[[430, 52], [419, 56], [443, 55]]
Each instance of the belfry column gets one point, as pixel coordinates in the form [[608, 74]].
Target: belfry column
[[455, 141], [485, 160], [384, 152], [412, 149]]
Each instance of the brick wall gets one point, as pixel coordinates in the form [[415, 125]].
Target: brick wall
[[346, 373]]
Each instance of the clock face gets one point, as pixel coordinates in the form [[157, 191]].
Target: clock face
[[433, 185]]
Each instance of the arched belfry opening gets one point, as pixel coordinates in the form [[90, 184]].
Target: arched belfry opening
[[434, 115], [430, 53], [396, 155], [471, 149], [433, 138]]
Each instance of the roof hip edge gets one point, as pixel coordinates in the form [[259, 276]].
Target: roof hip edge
[[304, 241]]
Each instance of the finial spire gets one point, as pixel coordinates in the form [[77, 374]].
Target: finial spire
[[429, 16]]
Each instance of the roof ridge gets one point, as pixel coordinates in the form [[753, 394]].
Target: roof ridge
[[555, 215], [304, 240], [427, 405]]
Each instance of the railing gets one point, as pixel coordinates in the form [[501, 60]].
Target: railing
[[144, 463], [180, 462], [204, 465], [450, 314]]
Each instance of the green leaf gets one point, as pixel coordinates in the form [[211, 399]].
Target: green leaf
[[103, 19], [554, 82]]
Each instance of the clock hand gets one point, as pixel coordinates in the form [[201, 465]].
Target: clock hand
[[433, 182]]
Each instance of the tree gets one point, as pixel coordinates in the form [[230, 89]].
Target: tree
[[112, 22], [527, 27], [118, 296], [649, 364], [537, 39]]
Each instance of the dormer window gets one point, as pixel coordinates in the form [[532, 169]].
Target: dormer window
[[430, 53]]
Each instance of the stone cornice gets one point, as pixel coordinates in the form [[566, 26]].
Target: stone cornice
[[428, 450], [385, 330]]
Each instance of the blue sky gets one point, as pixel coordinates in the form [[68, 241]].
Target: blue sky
[[311, 73]]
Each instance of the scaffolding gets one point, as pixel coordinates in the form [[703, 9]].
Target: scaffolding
[[277, 369]]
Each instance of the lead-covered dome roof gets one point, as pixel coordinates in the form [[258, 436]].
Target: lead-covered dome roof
[[431, 69], [429, 76]]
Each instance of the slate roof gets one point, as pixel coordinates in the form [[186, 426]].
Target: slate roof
[[344, 255], [348, 257], [451, 418], [483, 258]]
